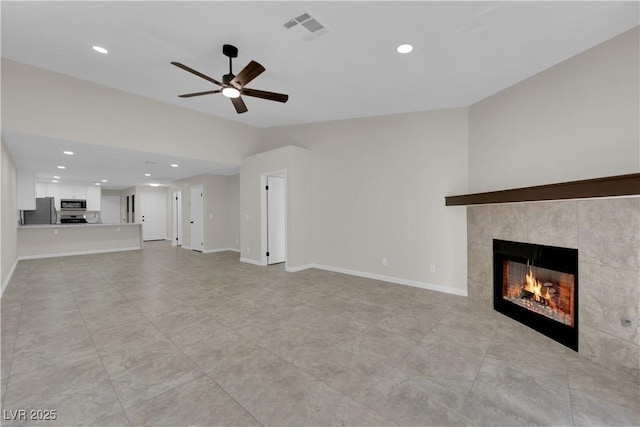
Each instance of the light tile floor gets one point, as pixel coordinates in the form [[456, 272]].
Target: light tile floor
[[166, 336]]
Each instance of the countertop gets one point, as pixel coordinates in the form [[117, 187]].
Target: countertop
[[77, 225]]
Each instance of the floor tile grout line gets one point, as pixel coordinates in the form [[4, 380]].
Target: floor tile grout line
[[115, 393], [566, 367], [205, 373], [484, 358], [271, 352], [13, 351], [193, 362], [571, 386]]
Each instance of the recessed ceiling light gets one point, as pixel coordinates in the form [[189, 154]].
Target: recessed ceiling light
[[154, 185], [56, 177], [104, 180], [174, 165], [54, 180], [96, 183], [404, 48], [100, 49], [62, 167], [68, 153], [147, 174]]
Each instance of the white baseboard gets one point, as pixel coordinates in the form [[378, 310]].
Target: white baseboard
[[298, 268], [98, 251], [390, 279], [8, 279], [212, 251], [252, 261], [397, 280]]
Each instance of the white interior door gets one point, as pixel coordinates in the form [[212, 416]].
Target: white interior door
[[276, 235], [197, 214], [177, 218], [110, 210], [154, 216]]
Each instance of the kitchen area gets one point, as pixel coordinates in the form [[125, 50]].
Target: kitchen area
[[74, 198], [70, 219]]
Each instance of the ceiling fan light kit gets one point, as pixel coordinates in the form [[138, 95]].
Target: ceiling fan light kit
[[233, 86], [231, 92]]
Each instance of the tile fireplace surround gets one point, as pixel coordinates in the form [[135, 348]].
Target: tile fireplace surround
[[606, 233]]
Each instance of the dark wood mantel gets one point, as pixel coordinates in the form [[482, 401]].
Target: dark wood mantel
[[620, 185]]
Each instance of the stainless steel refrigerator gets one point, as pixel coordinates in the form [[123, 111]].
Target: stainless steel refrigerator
[[45, 212]]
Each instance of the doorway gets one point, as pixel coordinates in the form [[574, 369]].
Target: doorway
[[176, 201], [274, 217], [110, 210], [197, 214], [154, 216]]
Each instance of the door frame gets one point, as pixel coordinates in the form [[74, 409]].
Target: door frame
[[282, 173], [192, 246], [176, 200]]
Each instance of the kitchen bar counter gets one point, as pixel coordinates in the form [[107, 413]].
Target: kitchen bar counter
[[76, 225], [51, 240]]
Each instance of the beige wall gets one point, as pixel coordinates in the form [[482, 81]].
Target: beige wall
[[378, 192], [221, 204], [297, 162], [40, 102], [8, 216], [576, 120], [232, 202]]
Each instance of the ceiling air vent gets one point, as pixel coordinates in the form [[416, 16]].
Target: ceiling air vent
[[313, 27], [303, 17], [290, 24]]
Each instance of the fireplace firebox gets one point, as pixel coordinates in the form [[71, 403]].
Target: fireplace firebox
[[538, 286]]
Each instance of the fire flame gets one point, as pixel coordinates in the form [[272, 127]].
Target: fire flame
[[539, 291], [534, 286]]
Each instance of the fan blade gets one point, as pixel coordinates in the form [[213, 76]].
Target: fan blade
[[239, 104], [271, 96], [197, 73], [189, 95], [248, 73]]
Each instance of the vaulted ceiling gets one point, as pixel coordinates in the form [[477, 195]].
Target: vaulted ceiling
[[463, 52]]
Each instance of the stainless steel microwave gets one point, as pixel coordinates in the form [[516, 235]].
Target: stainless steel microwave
[[73, 205]]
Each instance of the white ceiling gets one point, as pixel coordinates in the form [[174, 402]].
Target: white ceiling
[[464, 51]]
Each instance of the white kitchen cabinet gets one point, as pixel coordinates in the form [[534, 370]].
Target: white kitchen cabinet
[[68, 191], [53, 190], [94, 196], [41, 189]]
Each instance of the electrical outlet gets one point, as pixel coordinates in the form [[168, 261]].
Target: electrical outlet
[[384, 261], [248, 248], [432, 268]]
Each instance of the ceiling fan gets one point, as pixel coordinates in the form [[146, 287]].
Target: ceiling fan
[[233, 86]]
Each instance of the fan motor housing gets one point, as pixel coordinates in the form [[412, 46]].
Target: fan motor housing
[[226, 79]]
